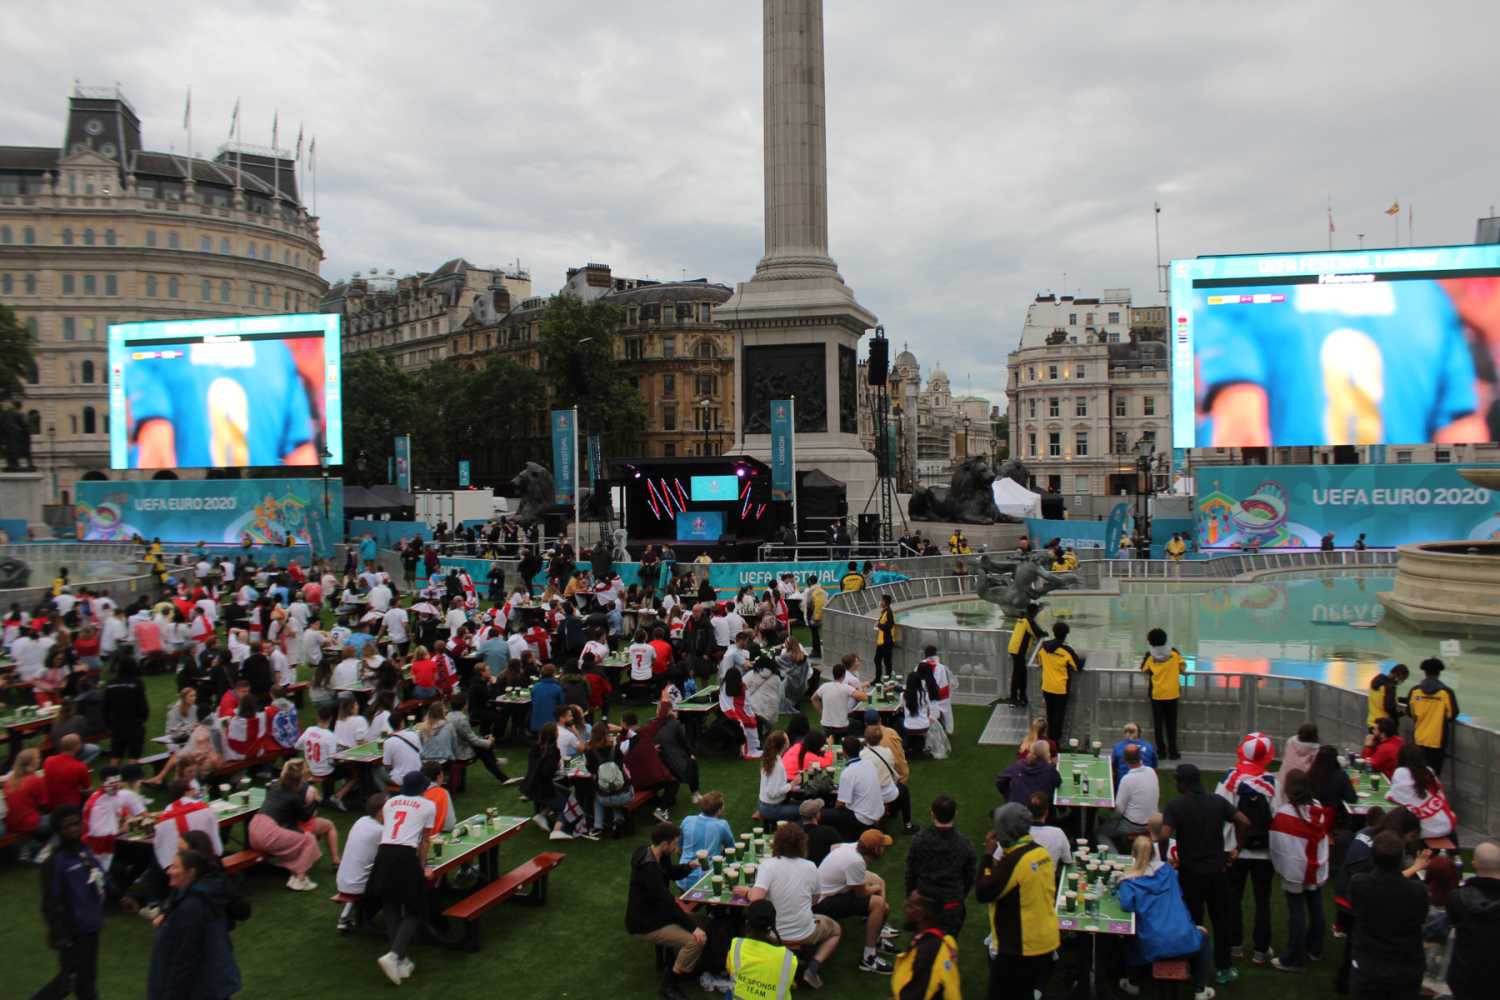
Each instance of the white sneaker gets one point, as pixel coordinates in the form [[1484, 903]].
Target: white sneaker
[[149, 912], [711, 983], [662, 815], [407, 968], [301, 883], [1207, 993], [1128, 988], [889, 933], [391, 966], [697, 798], [560, 834], [541, 821]]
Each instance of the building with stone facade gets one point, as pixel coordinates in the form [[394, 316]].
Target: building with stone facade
[[1083, 400], [668, 344], [413, 319], [935, 430], [101, 231], [1107, 316]]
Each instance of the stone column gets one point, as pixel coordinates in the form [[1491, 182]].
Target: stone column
[[796, 146]]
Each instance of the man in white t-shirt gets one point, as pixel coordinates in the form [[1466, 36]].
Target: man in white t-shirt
[[790, 882], [311, 647], [456, 617], [64, 603], [410, 819], [318, 744], [29, 654], [1136, 799], [359, 857], [641, 656], [737, 655], [723, 633], [396, 621], [346, 673], [379, 598], [835, 700], [845, 892], [402, 752], [942, 705], [860, 804], [1053, 838], [298, 612]]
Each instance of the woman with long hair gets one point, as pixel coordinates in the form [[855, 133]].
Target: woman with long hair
[[773, 802], [1414, 786], [1037, 731], [811, 750], [1332, 787], [733, 706], [916, 711], [1163, 926], [26, 795], [287, 827], [547, 797]]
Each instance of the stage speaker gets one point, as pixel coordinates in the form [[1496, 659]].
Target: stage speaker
[[869, 527], [880, 361]]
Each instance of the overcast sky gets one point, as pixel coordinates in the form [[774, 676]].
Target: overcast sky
[[978, 151]]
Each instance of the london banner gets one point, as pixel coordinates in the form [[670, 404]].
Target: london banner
[[782, 457], [563, 451], [1294, 506], [403, 463], [216, 511]]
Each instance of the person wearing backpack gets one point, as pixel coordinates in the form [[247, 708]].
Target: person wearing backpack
[[1252, 791], [612, 789]]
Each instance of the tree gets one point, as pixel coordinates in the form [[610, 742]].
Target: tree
[[578, 368], [380, 402], [17, 363]]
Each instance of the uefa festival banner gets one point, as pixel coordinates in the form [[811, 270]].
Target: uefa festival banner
[[463, 473], [781, 448], [403, 463], [216, 511], [1293, 506], [562, 456], [726, 578]]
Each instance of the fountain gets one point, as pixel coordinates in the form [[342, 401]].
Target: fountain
[[1450, 587]]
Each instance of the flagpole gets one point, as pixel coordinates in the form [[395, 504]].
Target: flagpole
[[275, 156], [577, 491], [792, 448], [1330, 222]]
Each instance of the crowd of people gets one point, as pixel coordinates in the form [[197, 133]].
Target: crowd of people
[[429, 671]]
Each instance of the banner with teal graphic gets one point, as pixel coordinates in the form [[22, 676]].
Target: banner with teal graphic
[[782, 474], [1293, 506], [403, 463], [562, 456], [725, 578], [216, 511], [463, 473]]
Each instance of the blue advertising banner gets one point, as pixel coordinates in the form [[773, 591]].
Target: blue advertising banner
[[403, 463], [216, 511], [726, 578], [596, 460], [782, 422], [700, 525], [1293, 506], [562, 455], [390, 468], [1077, 535], [463, 473]]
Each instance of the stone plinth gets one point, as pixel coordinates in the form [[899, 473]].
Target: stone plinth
[[21, 498], [1447, 587]]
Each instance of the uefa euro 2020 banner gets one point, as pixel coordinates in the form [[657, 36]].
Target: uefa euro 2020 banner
[[783, 424], [563, 450], [216, 511], [1294, 506]]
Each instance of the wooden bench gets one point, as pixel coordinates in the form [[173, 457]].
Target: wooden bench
[[358, 922], [531, 873], [233, 767], [295, 691], [154, 759], [642, 798], [457, 770], [241, 861]]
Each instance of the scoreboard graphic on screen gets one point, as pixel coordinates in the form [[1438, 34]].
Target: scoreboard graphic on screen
[[1338, 348], [245, 391]]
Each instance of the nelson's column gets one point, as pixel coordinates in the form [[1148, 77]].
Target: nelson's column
[[797, 325]]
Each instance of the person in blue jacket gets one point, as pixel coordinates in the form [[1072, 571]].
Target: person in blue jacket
[[1163, 926], [1132, 734], [546, 695], [193, 956]]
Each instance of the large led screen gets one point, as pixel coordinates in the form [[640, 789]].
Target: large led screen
[[1363, 348], [225, 393]]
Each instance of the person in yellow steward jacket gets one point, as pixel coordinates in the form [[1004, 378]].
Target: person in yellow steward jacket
[[1176, 548], [1022, 635], [1016, 879], [1166, 667], [1434, 706], [885, 639], [761, 967], [1382, 695], [1059, 662], [928, 970], [814, 598], [1070, 560], [852, 580]]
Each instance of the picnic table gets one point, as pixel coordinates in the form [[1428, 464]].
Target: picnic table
[[1109, 918], [228, 811], [748, 850], [363, 753], [474, 846], [481, 840], [1371, 787], [519, 696], [28, 719], [701, 701], [1074, 768]]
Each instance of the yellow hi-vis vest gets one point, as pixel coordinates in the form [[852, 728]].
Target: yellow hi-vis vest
[[760, 970]]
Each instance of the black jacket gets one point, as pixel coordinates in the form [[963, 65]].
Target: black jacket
[[676, 750], [651, 905], [1475, 913], [193, 958], [541, 769], [125, 703], [1389, 911], [941, 864]]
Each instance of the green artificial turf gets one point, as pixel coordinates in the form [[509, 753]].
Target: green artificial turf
[[576, 945]]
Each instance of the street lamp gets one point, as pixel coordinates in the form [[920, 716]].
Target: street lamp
[[1145, 448], [52, 457], [966, 437], [703, 421], [323, 459]]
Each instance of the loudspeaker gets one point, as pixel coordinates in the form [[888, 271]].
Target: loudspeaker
[[879, 361], [869, 527]]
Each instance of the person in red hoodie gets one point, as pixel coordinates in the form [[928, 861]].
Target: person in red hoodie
[[662, 664], [644, 764], [1382, 746], [68, 779]]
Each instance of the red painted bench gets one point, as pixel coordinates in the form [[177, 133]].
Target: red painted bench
[[531, 873]]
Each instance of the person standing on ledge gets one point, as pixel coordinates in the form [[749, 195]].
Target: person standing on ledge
[[1058, 662], [1022, 635], [1166, 667], [1434, 706], [885, 638]]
